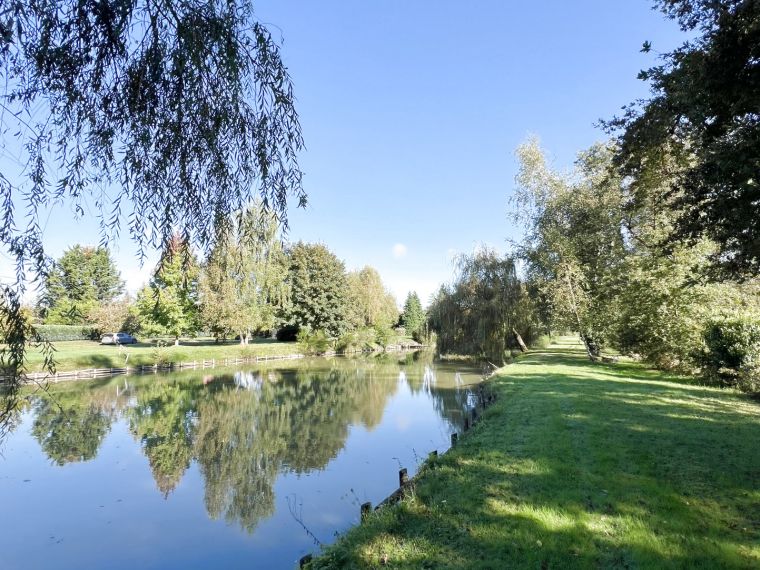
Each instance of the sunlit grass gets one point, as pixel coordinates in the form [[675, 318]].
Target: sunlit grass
[[73, 355], [582, 465]]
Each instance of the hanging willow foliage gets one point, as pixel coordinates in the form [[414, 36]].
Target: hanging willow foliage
[[476, 315], [162, 115]]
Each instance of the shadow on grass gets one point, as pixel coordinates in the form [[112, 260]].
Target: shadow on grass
[[583, 466]]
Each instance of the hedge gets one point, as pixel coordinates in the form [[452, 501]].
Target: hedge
[[58, 333]]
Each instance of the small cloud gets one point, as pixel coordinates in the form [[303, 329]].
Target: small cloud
[[399, 250]]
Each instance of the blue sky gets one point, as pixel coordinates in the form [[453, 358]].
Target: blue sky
[[411, 112]]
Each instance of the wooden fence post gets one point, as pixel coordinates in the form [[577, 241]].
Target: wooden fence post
[[454, 438], [403, 477], [366, 509]]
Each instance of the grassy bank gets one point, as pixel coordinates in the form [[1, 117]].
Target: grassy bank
[[581, 465], [73, 355]]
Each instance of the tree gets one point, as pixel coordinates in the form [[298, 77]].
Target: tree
[[169, 304], [704, 114], [485, 309], [574, 241], [81, 280], [369, 303], [317, 281], [118, 315], [168, 115], [413, 318], [242, 286]]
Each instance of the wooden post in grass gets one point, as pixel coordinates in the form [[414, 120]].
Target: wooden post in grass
[[474, 415], [403, 477], [366, 509], [454, 438], [466, 423]]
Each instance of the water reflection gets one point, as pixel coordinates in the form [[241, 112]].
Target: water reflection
[[242, 429]]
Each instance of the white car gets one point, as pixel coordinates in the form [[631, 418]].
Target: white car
[[118, 338]]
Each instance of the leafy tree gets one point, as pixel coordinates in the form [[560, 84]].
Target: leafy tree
[[169, 304], [369, 303], [242, 285], [118, 315], [484, 310], [703, 115], [413, 318], [169, 115], [318, 288], [574, 241], [81, 280]]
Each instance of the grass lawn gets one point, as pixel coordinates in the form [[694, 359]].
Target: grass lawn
[[73, 355], [581, 465]]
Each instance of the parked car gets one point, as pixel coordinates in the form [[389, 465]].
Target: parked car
[[118, 338]]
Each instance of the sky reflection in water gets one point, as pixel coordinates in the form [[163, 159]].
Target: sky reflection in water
[[222, 468]]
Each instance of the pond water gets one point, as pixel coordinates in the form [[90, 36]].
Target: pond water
[[224, 468]]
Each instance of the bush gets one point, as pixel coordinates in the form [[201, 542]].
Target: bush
[[58, 333], [731, 354], [315, 342]]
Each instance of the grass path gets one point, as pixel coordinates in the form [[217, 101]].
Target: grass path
[[581, 465]]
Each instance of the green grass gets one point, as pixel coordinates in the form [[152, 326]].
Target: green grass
[[73, 355], [581, 465]]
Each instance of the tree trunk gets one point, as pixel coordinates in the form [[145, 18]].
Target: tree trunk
[[519, 340]]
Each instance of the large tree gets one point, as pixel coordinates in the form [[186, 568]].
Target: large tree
[[701, 128], [574, 238], [80, 281], [485, 310], [370, 304], [243, 285], [317, 280], [166, 115]]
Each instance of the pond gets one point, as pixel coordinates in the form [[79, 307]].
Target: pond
[[223, 468]]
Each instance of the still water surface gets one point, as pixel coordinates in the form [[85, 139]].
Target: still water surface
[[228, 468]]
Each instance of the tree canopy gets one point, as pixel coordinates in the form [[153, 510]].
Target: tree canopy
[[318, 288], [81, 279], [700, 131]]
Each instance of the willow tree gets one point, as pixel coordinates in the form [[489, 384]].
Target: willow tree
[[484, 310], [157, 115], [243, 284]]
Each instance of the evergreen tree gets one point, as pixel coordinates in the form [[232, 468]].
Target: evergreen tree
[[80, 281], [413, 318]]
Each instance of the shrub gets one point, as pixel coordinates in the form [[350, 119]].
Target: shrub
[[731, 353], [315, 342]]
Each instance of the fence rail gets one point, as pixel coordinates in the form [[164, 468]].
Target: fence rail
[[91, 373]]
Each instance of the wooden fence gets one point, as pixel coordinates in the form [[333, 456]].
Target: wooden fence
[[91, 373]]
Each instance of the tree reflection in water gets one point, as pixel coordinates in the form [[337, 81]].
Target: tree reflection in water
[[242, 429]]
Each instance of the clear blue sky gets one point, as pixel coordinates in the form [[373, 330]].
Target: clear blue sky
[[411, 112]]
